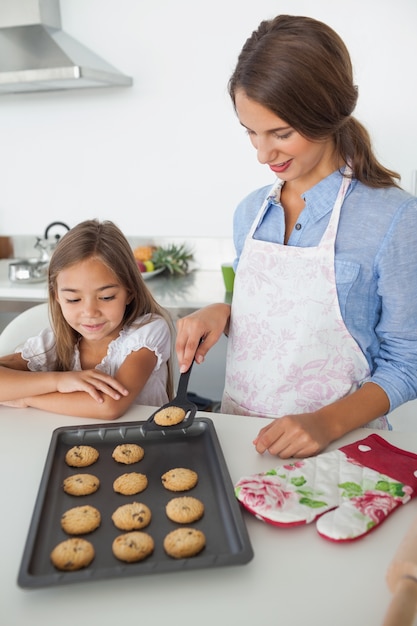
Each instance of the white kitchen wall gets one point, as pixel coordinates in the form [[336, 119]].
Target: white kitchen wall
[[167, 156]]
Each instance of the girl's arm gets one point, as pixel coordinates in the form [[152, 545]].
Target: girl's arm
[[17, 382], [132, 376]]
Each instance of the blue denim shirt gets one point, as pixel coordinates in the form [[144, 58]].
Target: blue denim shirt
[[375, 264]]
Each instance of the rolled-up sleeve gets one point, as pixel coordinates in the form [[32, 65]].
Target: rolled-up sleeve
[[396, 268]]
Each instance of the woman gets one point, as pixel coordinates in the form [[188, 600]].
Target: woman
[[322, 331]]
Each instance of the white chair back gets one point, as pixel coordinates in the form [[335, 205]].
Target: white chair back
[[24, 325]]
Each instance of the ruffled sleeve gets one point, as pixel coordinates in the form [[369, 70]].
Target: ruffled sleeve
[[154, 335], [39, 351]]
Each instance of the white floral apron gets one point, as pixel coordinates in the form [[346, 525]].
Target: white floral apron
[[289, 350]]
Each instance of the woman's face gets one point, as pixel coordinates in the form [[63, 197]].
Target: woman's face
[[289, 155]]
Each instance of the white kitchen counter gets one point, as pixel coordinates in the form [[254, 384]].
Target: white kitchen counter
[[36, 292], [296, 578]]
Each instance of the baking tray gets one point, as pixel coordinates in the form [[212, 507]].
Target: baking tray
[[197, 448]]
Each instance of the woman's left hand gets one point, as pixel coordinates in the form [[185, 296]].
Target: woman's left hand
[[308, 434], [293, 436]]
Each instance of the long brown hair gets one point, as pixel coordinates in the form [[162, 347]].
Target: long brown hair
[[104, 241], [300, 69]]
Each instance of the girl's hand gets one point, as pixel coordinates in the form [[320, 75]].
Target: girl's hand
[[205, 325], [93, 382]]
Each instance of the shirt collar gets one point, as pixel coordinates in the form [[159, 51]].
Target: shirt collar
[[319, 199]]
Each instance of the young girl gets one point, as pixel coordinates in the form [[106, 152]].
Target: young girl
[[110, 342], [322, 327]]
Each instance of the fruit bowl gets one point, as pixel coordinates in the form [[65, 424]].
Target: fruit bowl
[[174, 258], [148, 275]]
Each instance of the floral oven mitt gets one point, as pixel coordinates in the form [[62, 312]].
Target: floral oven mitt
[[349, 491]]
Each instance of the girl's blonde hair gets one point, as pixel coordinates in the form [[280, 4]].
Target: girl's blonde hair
[[300, 69], [106, 242]]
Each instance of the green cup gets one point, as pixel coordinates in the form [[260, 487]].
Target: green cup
[[228, 276]]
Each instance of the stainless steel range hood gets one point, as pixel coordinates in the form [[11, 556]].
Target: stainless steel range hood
[[36, 55]]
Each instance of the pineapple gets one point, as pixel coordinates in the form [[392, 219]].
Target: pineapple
[[173, 258]]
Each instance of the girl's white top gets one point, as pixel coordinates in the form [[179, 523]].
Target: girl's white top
[[155, 335]]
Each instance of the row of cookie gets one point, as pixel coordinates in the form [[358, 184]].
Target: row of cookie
[[85, 519], [131, 547], [84, 456], [130, 483]]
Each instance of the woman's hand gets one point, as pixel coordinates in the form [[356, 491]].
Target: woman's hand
[[309, 433], [93, 382], [301, 435], [206, 325]]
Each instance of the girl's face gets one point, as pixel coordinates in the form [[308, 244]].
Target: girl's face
[[289, 155], [92, 300]]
